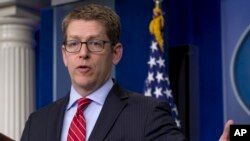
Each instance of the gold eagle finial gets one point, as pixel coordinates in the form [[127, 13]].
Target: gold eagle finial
[[157, 23]]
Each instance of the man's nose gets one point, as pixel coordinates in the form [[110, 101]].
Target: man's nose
[[84, 51]]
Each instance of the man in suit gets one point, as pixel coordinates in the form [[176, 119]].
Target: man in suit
[[90, 48]]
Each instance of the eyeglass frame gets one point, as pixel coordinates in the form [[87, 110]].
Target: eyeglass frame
[[87, 43]]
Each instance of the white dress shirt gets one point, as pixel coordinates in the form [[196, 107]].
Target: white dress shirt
[[91, 113]]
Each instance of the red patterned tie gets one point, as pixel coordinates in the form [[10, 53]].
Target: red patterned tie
[[77, 129]]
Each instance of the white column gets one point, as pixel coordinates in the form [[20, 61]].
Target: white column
[[17, 83]]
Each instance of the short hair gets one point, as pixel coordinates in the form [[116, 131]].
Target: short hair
[[103, 14]]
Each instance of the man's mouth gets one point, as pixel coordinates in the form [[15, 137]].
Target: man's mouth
[[83, 68]]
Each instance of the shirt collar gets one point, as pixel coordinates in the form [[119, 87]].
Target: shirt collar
[[98, 96]]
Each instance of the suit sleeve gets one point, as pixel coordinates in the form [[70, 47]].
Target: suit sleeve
[[160, 125], [25, 134]]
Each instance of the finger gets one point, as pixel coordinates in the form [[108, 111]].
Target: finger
[[226, 131]]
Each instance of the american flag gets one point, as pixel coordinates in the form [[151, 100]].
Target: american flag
[[157, 83]]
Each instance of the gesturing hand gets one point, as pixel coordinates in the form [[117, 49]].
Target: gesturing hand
[[226, 131]]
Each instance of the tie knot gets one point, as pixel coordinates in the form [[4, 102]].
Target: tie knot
[[82, 104]]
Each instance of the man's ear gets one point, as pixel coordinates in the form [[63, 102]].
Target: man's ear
[[64, 56], [117, 53]]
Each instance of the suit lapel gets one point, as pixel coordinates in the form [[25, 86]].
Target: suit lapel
[[55, 119], [113, 106]]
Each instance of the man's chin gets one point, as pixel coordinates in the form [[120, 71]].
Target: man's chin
[[85, 83]]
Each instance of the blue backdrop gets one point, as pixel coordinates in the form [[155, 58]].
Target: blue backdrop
[[189, 22]]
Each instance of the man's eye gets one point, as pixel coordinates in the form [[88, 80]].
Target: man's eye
[[95, 43], [72, 44]]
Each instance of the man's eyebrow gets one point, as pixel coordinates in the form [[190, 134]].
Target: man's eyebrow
[[74, 36], [88, 38]]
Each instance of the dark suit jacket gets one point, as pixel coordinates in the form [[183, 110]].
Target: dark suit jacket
[[125, 116]]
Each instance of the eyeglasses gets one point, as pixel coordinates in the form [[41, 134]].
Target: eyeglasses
[[74, 46]]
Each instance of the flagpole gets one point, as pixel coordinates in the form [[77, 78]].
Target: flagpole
[[157, 83]]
